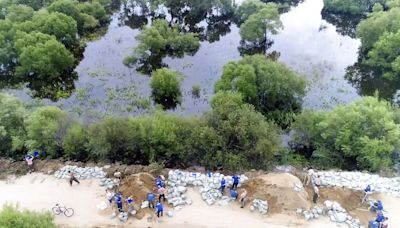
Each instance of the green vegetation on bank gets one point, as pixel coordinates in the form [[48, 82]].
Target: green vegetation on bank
[[363, 135], [233, 134], [12, 217]]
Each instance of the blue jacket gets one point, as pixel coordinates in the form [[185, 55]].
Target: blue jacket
[[235, 179], [129, 200], [159, 182], [150, 197], [234, 194], [367, 189], [380, 218], [379, 206], [118, 198], [159, 207], [223, 183]]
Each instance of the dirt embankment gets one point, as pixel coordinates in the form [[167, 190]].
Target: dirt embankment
[[277, 189], [48, 166]]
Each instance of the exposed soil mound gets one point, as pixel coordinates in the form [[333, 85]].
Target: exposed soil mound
[[138, 186], [277, 189]]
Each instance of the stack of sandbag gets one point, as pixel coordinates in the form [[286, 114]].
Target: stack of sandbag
[[359, 180], [178, 181], [260, 205], [85, 173]]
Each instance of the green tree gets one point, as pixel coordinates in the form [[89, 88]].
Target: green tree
[[362, 135], [50, 59], [19, 13], [248, 140], [96, 10], [377, 23], [247, 8], [7, 51], [385, 55], [35, 4], [117, 139], [12, 129], [67, 7], [166, 86], [258, 25], [63, 27], [74, 143], [161, 39], [11, 217], [46, 128], [270, 86]]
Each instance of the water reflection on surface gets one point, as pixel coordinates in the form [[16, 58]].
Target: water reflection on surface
[[307, 44], [312, 46]]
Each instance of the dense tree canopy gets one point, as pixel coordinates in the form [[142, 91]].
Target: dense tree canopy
[[362, 135], [37, 39], [48, 59], [385, 55], [270, 86], [12, 127], [232, 134], [46, 127], [166, 87], [377, 23], [19, 13]]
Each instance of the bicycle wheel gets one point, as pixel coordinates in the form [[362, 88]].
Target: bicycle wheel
[[69, 212], [56, 210]]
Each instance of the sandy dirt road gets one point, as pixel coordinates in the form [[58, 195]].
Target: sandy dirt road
[[42, 192]]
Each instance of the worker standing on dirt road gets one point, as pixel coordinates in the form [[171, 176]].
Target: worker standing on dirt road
[[130, 201], [160, 209], [159, 182], [110, 195], [223, 184], [29, 161], [317, 181], [118, 200], [243, 198], [235, 182], [150, 198], [161, 193], [309, 177], [316, 194], [367, 192], [72, 178]]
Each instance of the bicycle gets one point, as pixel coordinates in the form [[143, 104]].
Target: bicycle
[[67, 211]]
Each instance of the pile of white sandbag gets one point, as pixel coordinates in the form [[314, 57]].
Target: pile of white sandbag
[[260, 205], [82, 173], [178, 181], [335, 212], [315, 213], [338, 214], [359, 180]]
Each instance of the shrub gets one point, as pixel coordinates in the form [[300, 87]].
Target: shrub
[[11, 217]]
